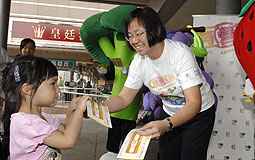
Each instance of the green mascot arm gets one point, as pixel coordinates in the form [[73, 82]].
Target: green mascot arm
[[103, 37], [123, 54], [198, 46]]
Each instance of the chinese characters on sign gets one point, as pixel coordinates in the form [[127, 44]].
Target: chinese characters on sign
[[63, 64], [47, 34], [220, 35]]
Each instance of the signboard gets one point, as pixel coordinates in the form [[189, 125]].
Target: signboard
[[233, 132], [63, 64], [45, 33]]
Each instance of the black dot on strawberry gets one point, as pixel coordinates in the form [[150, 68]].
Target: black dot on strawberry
[[249, 46], [251, 16]]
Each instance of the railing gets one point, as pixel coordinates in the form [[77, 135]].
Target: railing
[[68, 93]]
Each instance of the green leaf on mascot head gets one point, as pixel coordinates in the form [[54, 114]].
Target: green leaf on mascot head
[[103, 25], [198, 46], [90, 32], [246, 7], [115, 18]]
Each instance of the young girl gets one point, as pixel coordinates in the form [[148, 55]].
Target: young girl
[[30, 83]]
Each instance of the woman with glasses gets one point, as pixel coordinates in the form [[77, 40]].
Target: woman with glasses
[[169, 69]]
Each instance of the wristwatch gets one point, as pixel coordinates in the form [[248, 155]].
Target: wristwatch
[[170, 124]]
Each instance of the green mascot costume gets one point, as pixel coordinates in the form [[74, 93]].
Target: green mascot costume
[[103, 37]]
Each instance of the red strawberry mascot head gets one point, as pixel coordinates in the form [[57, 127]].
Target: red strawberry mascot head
[[244, 40]]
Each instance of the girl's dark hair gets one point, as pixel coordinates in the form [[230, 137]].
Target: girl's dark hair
[[25, 41], [150, 21], [32, 70]]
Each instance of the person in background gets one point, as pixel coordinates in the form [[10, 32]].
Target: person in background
[[88, 85], [27, 46], [81, 84], [67, 95], [173, 74], [4, 136], [30, 83]]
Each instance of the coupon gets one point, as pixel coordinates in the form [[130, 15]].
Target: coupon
[[99, 112], [134, 146], [246, 98]]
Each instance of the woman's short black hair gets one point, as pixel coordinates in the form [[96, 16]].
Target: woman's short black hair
[[25, 41], [150, 21]]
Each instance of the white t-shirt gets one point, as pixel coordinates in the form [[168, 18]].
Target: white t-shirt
[[174, 71]]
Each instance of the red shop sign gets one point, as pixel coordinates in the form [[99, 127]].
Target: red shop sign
[[46, 32]]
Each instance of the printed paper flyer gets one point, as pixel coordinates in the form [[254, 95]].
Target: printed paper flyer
[[134, 146], [246, 98], [99, 113]]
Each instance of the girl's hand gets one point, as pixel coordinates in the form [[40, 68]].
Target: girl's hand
[[81, 103], [72, 106], [155, 129]]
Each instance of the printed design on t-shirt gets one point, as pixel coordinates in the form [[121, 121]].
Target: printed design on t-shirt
[[167, 85], [171, 90], [51, 154], [161, 81], [189, 76], [131, 74], [174, 100]]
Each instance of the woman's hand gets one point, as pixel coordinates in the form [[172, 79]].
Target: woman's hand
[[155, 129]]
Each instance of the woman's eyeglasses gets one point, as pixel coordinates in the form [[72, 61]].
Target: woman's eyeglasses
[[137, 36]]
